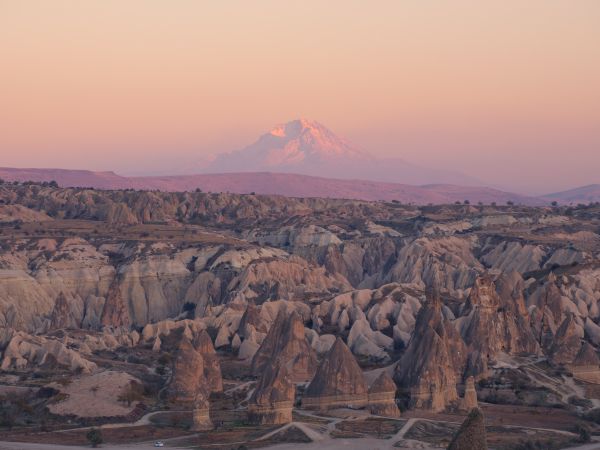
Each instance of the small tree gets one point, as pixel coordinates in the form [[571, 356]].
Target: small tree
[[94, 436], [554, 203]]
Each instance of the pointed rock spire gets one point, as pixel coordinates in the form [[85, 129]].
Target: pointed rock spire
[[188, 373], [469, 401], [471, 434], [339, 381], [382, 396], [273, 397], [116, 312], [286, 343], [212, 367], [436, 355]]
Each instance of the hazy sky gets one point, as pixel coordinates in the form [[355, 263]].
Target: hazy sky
[[506, 90]]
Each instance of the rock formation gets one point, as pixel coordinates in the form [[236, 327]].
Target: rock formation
[[382, 396], [567, 341], [429, 369], [188, 374], [201, 411], [471, 434], [212, 367], [273, 398], [287, 344], [469, 400], [61, 316], [491, 324], [116, 312], [338, 383]]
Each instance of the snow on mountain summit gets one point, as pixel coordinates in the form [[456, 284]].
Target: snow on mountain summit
[[307, 147]]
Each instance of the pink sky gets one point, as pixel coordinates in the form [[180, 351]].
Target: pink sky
[[507, 90]]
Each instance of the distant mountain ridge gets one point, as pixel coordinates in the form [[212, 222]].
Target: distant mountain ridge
[[307, 147], [583, 194], [268, 183]]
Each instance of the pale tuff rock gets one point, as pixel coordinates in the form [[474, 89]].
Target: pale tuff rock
[[321, 344], [447, 262], [491, 324], [25, 350], [212, 366], [273, 398], [339, 382], [513, 256], [382, 396], [469, 400], [286, 343], [435, 358], [163, 328], [157, 344], [363, 341], [308, 236], [549, 310], [116, 312], [188, 373], [471, 434]]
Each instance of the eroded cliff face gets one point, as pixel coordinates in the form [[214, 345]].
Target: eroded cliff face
[[490, 324], [85, 271]]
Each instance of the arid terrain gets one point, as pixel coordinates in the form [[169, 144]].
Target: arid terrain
[[220, 320]]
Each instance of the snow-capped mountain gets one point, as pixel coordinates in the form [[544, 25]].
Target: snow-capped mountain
[[306, 147]]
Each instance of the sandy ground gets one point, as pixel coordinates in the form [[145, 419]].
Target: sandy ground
[[94, 395]]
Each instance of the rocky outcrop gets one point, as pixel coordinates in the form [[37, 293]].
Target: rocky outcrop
[[338, 383], [61, 316], [273, 397], [567, 341], [201, 411], [116, 311], [382, 396], [188, 374], [469, 400], [434, 360], [491, 324], [24, 350], [471, 434], [212, 367], [287, 344]]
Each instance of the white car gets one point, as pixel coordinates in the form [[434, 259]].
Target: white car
[[159, 444]]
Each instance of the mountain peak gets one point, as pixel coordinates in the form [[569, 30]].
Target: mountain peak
[[296, 127]]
